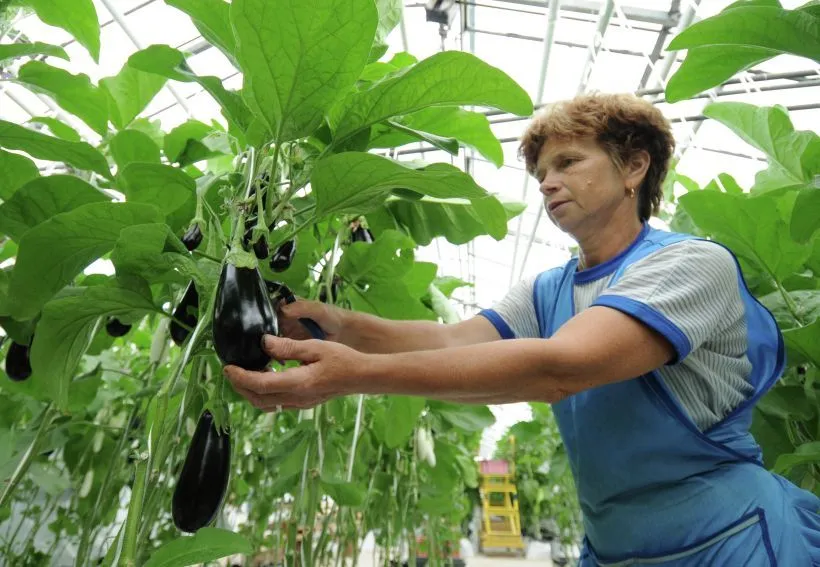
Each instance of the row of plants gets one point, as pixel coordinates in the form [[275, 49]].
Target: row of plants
[[118, 434]]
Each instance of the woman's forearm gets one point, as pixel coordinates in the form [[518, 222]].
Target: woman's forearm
[[489, 373]]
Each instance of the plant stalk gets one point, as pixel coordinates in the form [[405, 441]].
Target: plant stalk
[[28, 457]]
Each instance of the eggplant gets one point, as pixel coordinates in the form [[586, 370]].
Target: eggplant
[[362, 234], [260, 248], [193, 238], [283, 257], [203, 482], [18, 363], [242, 314], [334, 291], [185, 312], [274, 288], [115, 328]]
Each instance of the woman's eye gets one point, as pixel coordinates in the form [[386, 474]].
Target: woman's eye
[[566, 162]]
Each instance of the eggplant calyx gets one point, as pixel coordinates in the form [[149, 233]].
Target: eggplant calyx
[[241, 259]]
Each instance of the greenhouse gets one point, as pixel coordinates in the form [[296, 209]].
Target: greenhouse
[[391, 282]]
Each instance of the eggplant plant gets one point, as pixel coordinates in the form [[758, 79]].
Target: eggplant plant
[[119, 430]]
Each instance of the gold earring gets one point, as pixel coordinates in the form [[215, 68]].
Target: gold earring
[[631, 191]]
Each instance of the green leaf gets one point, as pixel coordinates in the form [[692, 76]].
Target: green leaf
[[805, 453], [770, 433], [770, 130], [153, 252], [344, 493], [163, 186], [17, 171], [805, 341], [13, 50], [391, 300], [319, 49], [418, 279], [468, 418], [390, 12], [212, 19], [357, 182], [207, 544], [804, 222], [754, 230], [707, 67], [806, 303], [445, 79], [64, 332], [55, 251], [130, 146], [389, 257], [74, 93], [470, 128], [40, 146], [449, 145], [130, 91], [786, 402], [41, 199], [442, 306], [170, 63], [786, 31], [403, 412], [458, 221], [58, 128], [53, 481], [727, 183], [448, 284], [79, 18], [193, 141]]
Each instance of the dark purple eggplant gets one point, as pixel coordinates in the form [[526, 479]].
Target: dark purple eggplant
[[334, 290], [115, 328], [283, 257], [274, 288], [18, 363], [193, 238], [242, 314], [260, 248], [362, 234], [203, 481], [185, 312]]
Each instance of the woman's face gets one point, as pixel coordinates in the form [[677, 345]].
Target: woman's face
[[582, 188]]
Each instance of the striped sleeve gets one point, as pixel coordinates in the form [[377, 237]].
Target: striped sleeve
[[689, 292], [514, 316]]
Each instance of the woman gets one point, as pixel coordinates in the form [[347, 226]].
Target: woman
[[648, 344]]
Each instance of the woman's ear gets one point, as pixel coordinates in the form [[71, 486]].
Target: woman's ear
[[636, 168]]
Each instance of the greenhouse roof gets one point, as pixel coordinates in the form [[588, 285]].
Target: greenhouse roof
[[611, 46]]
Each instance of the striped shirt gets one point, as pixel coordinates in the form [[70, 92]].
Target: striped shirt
[[693, 285]]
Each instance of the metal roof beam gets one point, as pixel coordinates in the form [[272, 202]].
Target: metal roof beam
[[659, 17]]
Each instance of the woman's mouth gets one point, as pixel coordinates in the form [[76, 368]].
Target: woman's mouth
[[556, 204]]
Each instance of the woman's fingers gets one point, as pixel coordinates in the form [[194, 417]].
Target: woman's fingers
[[283, 349]]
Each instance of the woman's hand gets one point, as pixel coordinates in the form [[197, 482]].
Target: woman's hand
[[328, 317], [326, 372]]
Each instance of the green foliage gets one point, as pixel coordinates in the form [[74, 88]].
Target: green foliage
[[79, 19], [208, 544]]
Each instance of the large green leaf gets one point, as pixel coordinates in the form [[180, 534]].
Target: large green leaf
[[58, 128], [78, 17], [390, 13], [154, 253], [751, 226], [212, 19], [74, 93], [194, 141], [42, 198], [786, 402], [206, 545], [804, 302], [17, 171], [468, 418], [170, 63], [344, 493], [470, 128], [804, 222], [55, 251], [770, 130], [390, 300], [64, 332], [389, 257], [771, 433], [129, 146], [163, 186], [297, 58], [445, 79], [458, 221], [130, 91], [12, 50], [402, 414], [786, 31], [805, 341], [804, 454], [40, 146], [358, 182]]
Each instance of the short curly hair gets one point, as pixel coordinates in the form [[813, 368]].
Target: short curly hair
[[623, 124]]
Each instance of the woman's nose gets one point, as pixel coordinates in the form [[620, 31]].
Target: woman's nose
[[548, 187]]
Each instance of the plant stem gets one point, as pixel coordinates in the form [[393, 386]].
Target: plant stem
[[274, 179], [206, 256], [356, 429], [28, 457], [790, 305]]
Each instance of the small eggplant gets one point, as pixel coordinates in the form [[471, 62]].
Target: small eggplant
[[274, 288], [115, 328], [185, 312], [242, 314], [362, 234], [18, 363], [204, 478], [260, 248], [334, 290], [192, 238], [283, 257]]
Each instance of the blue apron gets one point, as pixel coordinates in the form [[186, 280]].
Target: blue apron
[[653, 488]]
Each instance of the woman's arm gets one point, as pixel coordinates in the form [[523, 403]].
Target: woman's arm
[[597, 347]]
